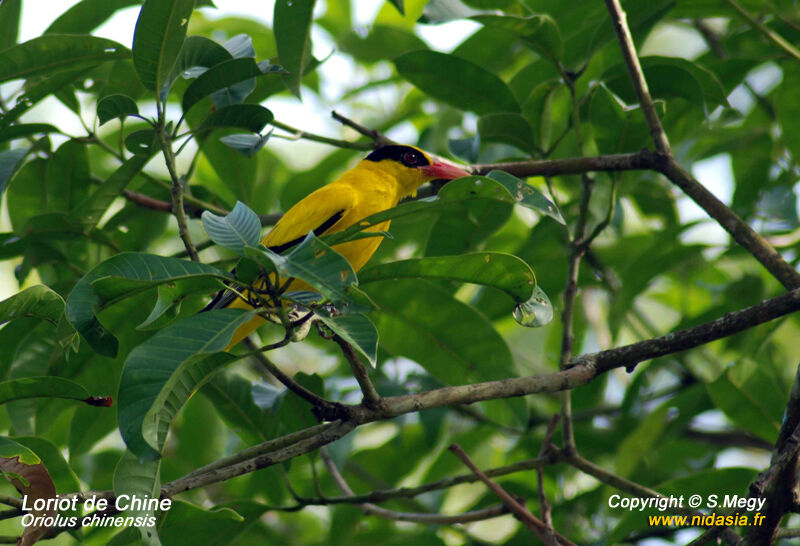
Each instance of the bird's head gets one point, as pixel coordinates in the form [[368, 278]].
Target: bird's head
[[412, 167]]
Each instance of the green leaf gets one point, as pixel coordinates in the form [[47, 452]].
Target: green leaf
[[670, 77], [750, 397], [45, 55], [419, 320], [10, 160], [314, 262], [87, 15], [507, 128], [357, 330], [539, 32], [83, 304], [67, 176], [41, 387], [502, 271], [527, 196], [640, 441], [198, 52], [246, 143], [383, 42], [251, 117], [93, 208], [292, 28], [189, 524], [224, 75], [232, 395], [116, 106], [141, 142], [615, 129], [457, 82], [399, 5], [26, 129], [236, 230], [141, 479], [37, 301], [164, 371], [9, 23], [788, 109], [44, 88], [158, 38]]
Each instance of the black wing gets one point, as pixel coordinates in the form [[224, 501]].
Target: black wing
[[225, 297]]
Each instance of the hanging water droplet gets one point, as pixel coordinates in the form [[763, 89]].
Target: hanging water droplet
[[535, 312]]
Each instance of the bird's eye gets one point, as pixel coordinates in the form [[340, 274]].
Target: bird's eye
[[410, 158]]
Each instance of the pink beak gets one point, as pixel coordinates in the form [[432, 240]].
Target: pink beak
[[444, 171]]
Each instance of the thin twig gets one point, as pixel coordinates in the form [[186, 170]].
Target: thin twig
[[378, 138], [177, 195], [332, 410], [298, 133], [770, 34], [619, 21], [547, 517], [441, 519], [531, 522], [371, 397]]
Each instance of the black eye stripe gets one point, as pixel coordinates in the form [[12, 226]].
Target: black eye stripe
[[406, 155]]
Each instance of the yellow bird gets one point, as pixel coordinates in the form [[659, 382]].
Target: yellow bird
[[375, 184]]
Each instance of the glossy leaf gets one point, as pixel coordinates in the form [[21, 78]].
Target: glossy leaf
[[224, 75], [414, 312], [235, 231], [251, 117], [457, 82], [9, 23], [36, 301], [158, 38], [100, 200], [25, 129], [502, 271], [749, 397], [116, 106], [135, 477], [508, 128], [669, 77], [787, 108], [197, 55], [357, 330], [539, 32], [41, 387], [87, 15], [314, 262], [293, 37], [10, 160], [141, 143], [142, 271], [164, 371], [245, 143], [46, 54]]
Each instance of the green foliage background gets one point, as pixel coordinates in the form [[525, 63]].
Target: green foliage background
[[537, 79]]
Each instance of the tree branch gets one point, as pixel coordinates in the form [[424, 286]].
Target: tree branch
[[330, 434], [416, 517], [619, 21], [531, 522], [588, 366]]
